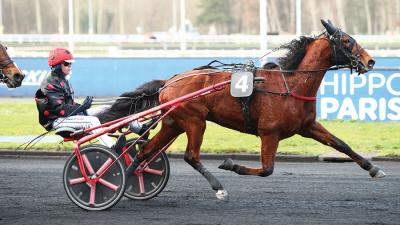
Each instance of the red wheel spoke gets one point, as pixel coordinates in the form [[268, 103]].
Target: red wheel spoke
[[128, 159], [77, 181], [104, 166], [153, 171], [92, 194], [108, 184], [87, 164], [141, 182]]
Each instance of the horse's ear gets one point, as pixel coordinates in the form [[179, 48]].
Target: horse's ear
[[329, 26]]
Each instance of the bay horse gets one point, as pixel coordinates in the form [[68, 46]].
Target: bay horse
[[10, 73], [280, 107]]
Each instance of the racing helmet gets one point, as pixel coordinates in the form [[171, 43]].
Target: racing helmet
[[60, 55]]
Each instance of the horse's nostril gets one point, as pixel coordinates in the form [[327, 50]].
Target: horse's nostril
[[19, 77], [371, 63]]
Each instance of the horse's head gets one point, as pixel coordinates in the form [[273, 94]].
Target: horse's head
[[10, 74], [346, 51]]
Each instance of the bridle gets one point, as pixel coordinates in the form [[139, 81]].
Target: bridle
[[353, 60], [3, 64]]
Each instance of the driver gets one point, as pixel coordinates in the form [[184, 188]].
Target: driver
[[55, 100]]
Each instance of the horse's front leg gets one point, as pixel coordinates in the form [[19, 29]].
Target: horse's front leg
[[269, 145], [317, 132], [166, 134], [195, 130]]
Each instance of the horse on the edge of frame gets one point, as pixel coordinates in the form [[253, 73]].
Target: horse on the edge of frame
[[10, 73], [280, 107]]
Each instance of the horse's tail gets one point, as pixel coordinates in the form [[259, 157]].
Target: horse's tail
[[143, 98]]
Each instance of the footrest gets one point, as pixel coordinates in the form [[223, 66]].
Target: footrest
[[121, 141]]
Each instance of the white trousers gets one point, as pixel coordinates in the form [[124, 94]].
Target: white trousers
[[83, 122], [135, 126]]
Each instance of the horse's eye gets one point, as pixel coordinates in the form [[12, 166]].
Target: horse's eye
[[346, 41]]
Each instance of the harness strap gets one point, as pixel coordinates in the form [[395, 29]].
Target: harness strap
[[245, 102], [272, 92], [248, 125], [285, 94], [303, 97]]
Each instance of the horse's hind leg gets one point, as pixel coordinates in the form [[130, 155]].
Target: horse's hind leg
[[195, 128], [269, 145], [320, 134]]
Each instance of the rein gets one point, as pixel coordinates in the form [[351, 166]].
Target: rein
[[250, 66], [335, 45], [190, 75], [110, 101]]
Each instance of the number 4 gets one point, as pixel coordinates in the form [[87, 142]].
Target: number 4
[[242, 84]]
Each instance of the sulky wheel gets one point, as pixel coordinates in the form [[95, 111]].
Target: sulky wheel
[[149, 181], [90, 194]]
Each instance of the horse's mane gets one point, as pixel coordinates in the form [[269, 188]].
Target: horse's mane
[[296, 51], [142, 98]]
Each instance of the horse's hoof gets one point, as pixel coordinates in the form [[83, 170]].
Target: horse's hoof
[[227, 164], [376, 172], [222, 195]]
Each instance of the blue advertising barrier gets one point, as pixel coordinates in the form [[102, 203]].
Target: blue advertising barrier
[[374, 96]]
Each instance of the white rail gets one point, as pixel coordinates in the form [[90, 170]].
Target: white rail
[[169, 38]]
